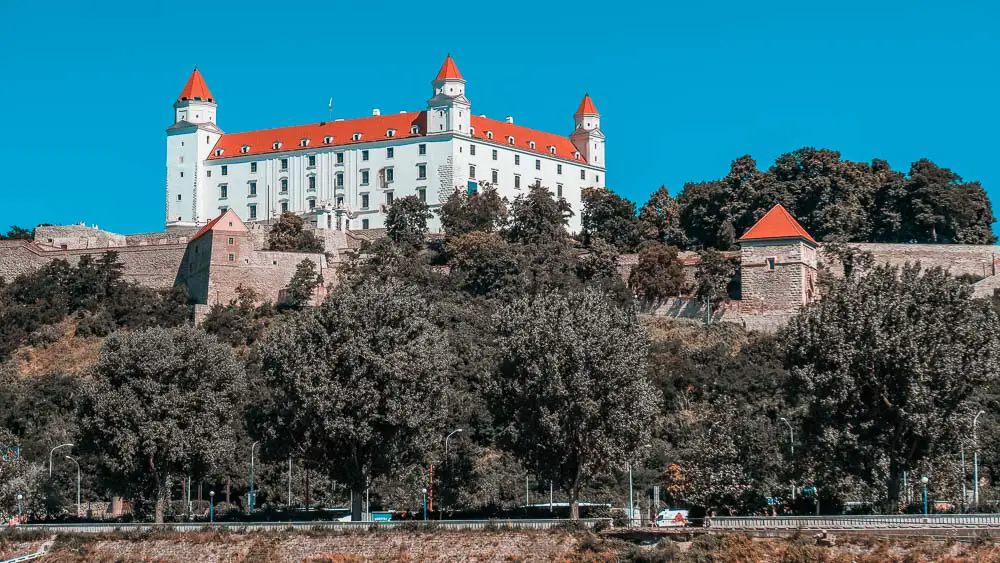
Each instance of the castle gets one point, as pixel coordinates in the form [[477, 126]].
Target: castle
[[345, 173]]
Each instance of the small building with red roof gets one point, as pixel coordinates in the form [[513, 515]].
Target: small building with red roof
[[778, 265], [345, 173]]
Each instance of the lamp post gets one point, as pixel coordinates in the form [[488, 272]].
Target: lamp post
[[446, 438], [211, 507], [53, 450], [791, 446], [20, 497], [924, 481], [631, 496], [975, 463], [77, 484], [425, 503], [252, 501]]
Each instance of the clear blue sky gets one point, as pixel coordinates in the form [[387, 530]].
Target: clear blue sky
[[684, 87]]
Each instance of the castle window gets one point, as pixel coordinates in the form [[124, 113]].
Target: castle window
[[312, 160], [583, 174], [225, 170], [597, 178], [253, 211], [472, 130], [364, 177], [552, 150], [517, 159], [232, 257], [510, 139], [538, 164], [576, 154], [489, 135], [364, 155], [472, 171], [517, 181], [558, 190], [178, 197], [182, 173], [231, 241], [284, 207], [304, 142], [364, 201], [312, 183], [340, 179], [340, 158], [356, 136], [496, 174], [422, 194], [531, 144], [770, 264], [415, 130], [364, 223], [558, 168], [223, 191], [494, 154], [218, 152], [253, 167], [472, 150], [208, 140], [389, 152], [245, 149], [253, 188], [390, 133], [276, 145], [284, 164], [389, 198], [328, 139], [208, 173], [312, 203], [284, 184], [421, 171], [422, 149], [389, 175]]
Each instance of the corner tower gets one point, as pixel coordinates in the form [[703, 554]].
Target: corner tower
[[448, 110], [189, 142], [778, 265], [587, 136]]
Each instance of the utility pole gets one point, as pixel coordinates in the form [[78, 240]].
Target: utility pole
[[289, 483], [975, 463], [791, 445]]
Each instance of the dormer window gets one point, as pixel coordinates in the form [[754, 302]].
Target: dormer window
[[415, 130], [218, 152], [510, 139], [356, 137], [328, 139], [276, 145], [390, 133], [489, 135], [304, 142], [576, 154], [245, 149], [531, 144], [552, 149]]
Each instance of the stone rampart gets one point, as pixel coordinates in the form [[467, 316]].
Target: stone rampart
[[970, 259], [152, 266]]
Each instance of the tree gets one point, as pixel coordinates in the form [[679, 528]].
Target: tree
[[483, 263], [240, 322], [610, 217], [884, 370], [538, 218], [162, 403], [18, 233], [288, 234], [714, 275], [659, 219], [936, 206], [406, 222], [303, 284], [483, 210], [18, 477], [570, 391], [357, 386], [658, 275]]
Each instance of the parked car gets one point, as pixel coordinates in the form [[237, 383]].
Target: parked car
[[671, 517]]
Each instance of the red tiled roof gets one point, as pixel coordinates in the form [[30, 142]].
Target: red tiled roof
[[586, 106], [212, 224], [373, 128], [208, 226], [777, 223], [196, 89], [523, 137], [449, 71]]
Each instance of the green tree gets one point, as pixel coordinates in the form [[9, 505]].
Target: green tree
[[937, 206], [161, 404], [406, 222], [18, 476], [483, 263], [357, 386], [303, 285], [884, 370], [570, 391], [659, 219], [608, 216], [538, 218], [288, 234], [714, 275], [18, 233], [658, 275], [483, 210], [240, 322]]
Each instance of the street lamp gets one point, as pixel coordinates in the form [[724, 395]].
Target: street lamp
[[252, 501], [924, 481], [446, 438], [211, 507], [20, 497], [631, 503], [77, 485], [50, 455], [425, 503], [791, 445], [975, 463]]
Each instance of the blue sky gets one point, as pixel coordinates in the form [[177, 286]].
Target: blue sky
[[684, 87]]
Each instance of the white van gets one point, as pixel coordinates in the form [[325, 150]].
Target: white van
[[672, 517]]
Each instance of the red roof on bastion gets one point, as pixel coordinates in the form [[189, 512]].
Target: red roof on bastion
[[777, 223]]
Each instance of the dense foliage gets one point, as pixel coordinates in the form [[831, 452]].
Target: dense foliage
[[287, 234]]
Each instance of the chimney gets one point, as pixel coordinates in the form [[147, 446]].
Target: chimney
[[376, 112], [509, 119]]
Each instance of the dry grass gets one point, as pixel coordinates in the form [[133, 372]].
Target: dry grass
[[695, 335], [69, 354]]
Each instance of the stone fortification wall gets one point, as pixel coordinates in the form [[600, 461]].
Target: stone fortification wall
[[775, 276], [152, 266], [265, 272], [976, 260], [72, 237]]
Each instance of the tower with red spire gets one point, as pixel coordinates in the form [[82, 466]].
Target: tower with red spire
[[587, 136], [448, 110], [190, 141]]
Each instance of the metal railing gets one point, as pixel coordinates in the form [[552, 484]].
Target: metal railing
[[860, 522], [402, 525]]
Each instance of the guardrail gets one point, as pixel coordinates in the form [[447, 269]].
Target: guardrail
[[403, 525], [866, 522]]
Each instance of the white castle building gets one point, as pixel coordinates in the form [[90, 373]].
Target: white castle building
[[347, 172]]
